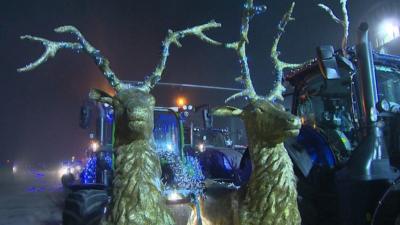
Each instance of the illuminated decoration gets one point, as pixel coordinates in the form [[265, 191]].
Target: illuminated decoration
[[388, 31], [181, 101], [166, 132], [88, 175], [188, 179]]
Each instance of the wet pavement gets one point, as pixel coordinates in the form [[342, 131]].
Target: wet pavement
[[35, 197], [30, 197]]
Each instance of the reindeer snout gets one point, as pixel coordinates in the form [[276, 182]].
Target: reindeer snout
[[295, 122]]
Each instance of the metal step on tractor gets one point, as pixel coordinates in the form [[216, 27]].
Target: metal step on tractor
[[347, 154]]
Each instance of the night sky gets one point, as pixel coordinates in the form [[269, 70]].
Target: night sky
[[40, 109]]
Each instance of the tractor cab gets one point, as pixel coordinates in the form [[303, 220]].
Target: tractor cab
[[348, 145], [181, 173], [326, 97], [222, 152]]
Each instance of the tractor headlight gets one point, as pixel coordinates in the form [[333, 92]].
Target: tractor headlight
[[201, 147], [62, 171], [174, 196]]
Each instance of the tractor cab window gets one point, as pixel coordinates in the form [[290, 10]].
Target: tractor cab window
[[325, 103], [166, 132], [388, 80], [212, 137]]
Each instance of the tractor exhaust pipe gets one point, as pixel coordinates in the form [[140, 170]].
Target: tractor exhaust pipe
[[370, 159], [368, 171]]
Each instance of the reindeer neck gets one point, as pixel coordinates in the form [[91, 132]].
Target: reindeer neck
[[271, 192], [271, 163]]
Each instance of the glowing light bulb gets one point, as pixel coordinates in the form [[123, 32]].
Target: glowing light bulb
[[181, 101], [94, 146]]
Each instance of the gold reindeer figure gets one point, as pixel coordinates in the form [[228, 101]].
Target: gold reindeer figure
[[270, 197], [137, 198]]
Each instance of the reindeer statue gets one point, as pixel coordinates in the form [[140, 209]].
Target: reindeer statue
[[137, 187], [270, 197]]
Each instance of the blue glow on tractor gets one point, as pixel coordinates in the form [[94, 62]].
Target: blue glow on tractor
[[227, 165], [89, 172]]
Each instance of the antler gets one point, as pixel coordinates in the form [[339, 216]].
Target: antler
[[344, 22], [240, 47], [278, 89], [174, 37], [52, 48]]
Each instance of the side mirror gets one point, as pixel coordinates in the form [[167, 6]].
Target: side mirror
[[208, 119], [85, 116], [327, 62]]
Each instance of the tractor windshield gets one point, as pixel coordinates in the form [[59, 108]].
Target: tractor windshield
[[388, 80], [166, 132]]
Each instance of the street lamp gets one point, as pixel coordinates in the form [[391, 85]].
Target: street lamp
[[181, 101]]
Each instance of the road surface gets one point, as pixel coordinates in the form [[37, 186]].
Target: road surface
[[30, 197], [35, 197]]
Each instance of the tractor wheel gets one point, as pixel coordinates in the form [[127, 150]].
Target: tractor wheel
[[67, 179], [85, 207]]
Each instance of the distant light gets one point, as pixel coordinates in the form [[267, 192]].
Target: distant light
[[14, 169], [95, 146], [388, 31], [169, 147], [174, 196], [181, 101], [201, 147], [62, 171]]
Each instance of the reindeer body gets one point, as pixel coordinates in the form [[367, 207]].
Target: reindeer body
[[137, 189], [271, 192], [271, 195]]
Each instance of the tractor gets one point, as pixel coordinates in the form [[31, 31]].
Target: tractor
[[191, 157], [346, 155], [181, 174]]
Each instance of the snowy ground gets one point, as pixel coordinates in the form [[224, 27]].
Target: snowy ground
[[30, 197]]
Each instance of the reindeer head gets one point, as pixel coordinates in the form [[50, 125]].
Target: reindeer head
[[265, 120], [133, 105]]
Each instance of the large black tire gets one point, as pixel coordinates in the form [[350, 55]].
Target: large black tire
[[85, 207], [67, 179]]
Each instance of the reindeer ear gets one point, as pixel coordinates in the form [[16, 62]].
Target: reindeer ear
[[226, 111], [100, 96]]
